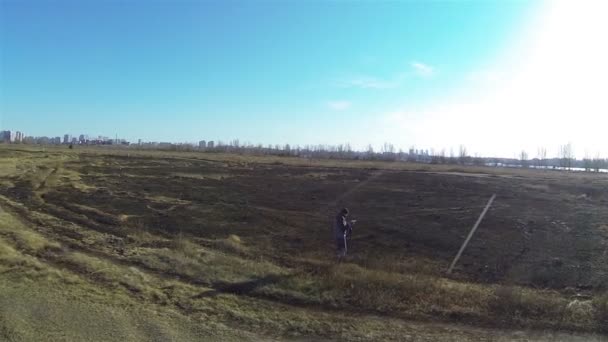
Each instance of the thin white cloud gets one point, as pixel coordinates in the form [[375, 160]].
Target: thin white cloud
[[339, 105], [368, 82], [397, 80], [422, 69]]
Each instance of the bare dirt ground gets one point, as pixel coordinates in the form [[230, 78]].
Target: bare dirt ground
[[245, 243]]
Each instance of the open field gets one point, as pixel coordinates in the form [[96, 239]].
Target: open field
[[144, 245]]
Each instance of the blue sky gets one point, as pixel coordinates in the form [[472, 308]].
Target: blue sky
[[298, 72]]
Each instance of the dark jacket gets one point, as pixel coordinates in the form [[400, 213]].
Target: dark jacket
[[341, 227]]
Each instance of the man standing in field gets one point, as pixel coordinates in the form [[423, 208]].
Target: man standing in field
[[342, 229]]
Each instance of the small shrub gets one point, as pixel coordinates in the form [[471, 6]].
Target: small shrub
[[186, 247], [518, 304], [600, 305], [580, 311], [231, 244]]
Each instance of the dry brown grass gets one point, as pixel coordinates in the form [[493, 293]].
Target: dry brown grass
[[520, 305], [174, 272], [231, 244], [21, 238], [186, 247], [600, 304]]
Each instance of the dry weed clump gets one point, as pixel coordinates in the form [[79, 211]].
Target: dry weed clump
[[516, 304]]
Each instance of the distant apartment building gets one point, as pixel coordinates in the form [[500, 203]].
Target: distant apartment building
[[66, 139], [210, 144], [6, 136], [56, 141], [202, 144], [11, 136]]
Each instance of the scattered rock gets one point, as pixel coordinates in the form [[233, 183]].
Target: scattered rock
[[557, 262]]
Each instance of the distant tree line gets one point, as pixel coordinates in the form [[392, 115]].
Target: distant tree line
[[564, 160]]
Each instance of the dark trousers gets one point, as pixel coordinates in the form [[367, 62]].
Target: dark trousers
[[341, 246]]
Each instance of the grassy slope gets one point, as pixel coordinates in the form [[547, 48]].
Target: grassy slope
[[39, 302]]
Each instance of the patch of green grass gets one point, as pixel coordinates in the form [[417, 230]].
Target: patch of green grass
[[18, 244], [352, 286], [52, 311], [198, 263], [22, 237]]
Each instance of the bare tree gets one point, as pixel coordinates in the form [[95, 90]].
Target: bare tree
[[452, 158], [569, 155], [411, 155], [561, 156], [370, 151], [434, 157], [388, 148], [388, 151], [348, 150], [542, 157], [523, 158], [597, 163], [340, 150], [566, 156], [462, 154], [587, 162], [442, 158]]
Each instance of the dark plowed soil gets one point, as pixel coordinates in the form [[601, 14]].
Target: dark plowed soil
[[545, 229]]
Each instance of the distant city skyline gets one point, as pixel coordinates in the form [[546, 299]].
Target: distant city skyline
[[85, 136], [564, 151]]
